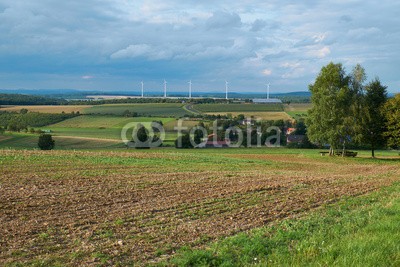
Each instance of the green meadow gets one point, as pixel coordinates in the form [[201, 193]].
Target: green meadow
[[226, 108], [159, 109]]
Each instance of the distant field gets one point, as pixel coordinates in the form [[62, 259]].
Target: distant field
[[19, 141], [158, 109], [130, 207], [27, 141], [297, 111], [109, 127], [230, 108], [298, 107], [49, 109], [170, 125], [103, 134], [270, 115], [108, 133], [3, 137], [96, 126], [98, 121], [101, 128], [86, 143]]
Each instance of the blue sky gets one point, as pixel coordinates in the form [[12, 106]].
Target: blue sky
[[115, 44]]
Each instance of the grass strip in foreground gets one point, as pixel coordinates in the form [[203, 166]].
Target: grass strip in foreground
[[360, 231]]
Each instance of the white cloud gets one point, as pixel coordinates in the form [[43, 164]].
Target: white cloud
[[87, 77], [143, 50], [267, 72], [133, 51], [321, 52], [290, 65]]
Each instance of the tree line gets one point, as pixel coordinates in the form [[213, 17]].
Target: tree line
[[346, 110], [24, 120], [18, 99]]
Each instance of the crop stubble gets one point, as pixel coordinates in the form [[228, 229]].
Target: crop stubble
[[126, 206]]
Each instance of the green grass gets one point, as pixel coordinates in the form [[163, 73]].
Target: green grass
[[297, 115], [29, 141], [214, 108], [158, 109], [96, 133], [20, 141], [102, 127], [96, 121], [297, 111], [87, 121], [360, 231], [93, 127], [108, 133]]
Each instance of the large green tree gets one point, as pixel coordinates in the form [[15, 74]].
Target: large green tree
[[357, 79], [330, 119], [392, 114], [373, 118]]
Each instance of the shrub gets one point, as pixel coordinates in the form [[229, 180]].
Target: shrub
[[183, 141], [46, 142]]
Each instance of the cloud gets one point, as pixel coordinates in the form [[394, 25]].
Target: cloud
[[346, 18], [133, 51], [363, 33], [293, 70], [153, 53], [120, 41], [87, 77], [323, 52], [310, 41], [320, 53], [221, 19], [258, 25], [267, 72]]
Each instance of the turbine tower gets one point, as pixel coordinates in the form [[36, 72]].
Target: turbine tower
[[190, 89], [226, 90], [165, 88], [268, 84], [142, 83]]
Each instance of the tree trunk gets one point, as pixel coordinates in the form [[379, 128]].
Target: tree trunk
[[344, 149], [373, 150], [331, 151]]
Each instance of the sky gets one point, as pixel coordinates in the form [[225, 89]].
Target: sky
[[115, 44]]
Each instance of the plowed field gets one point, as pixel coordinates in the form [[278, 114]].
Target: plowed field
[[94, 208]]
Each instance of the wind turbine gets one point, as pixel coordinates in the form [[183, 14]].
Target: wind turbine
[[268, 84], [165, 88], [190, 89], [226, 90], [142, 83]]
